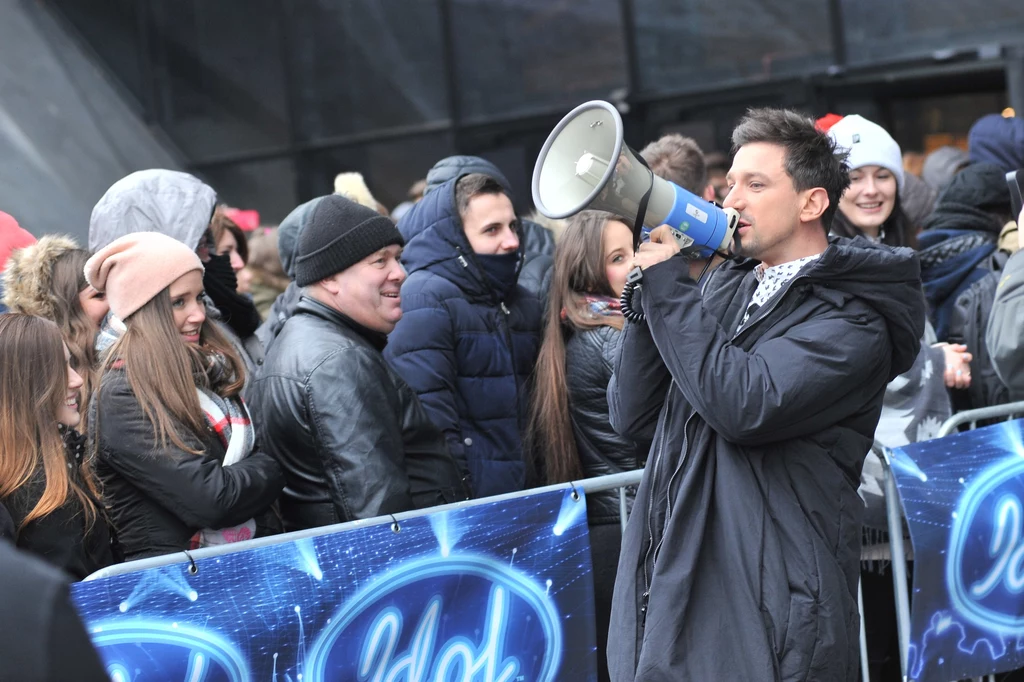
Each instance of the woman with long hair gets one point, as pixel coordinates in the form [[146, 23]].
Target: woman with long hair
[[569, 415], [46, 478], [47, 279], [871, 206], [175, 446]]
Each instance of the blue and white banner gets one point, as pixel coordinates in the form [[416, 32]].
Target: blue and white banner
[[962, 496], [497, 592]]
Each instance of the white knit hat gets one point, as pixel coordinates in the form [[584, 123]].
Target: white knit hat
[[868, 144]]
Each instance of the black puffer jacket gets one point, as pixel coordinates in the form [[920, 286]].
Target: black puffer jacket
[[589, 355], [352, 437], [61, 537], [160, 496], [747, 521]]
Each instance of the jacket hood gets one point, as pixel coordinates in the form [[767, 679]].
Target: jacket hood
[[941, 165], [980, 185], [289, 231], [454, 167], [997, 140], [29, 276], [176, 204], [886, 278], [436, 242]]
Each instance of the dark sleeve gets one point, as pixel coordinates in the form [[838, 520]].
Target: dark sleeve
[[1005, 335], [196, 488], [356, 421], [71, 655], [221, 286], [435, 477], [421, 349], [788, 387], [6, 524], [639, 384]]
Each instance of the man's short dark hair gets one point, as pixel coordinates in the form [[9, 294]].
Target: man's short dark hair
[[812, 159], [473, 185], [678, 159]]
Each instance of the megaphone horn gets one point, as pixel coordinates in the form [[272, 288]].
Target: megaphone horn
[[584, 164]]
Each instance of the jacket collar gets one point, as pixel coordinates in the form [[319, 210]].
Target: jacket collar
[[311, 306]]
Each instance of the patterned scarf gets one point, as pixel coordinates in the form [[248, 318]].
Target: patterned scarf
[[230, 420], [598, 306], [228, 417]]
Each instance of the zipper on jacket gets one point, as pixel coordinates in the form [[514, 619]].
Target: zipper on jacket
[[650, 506], [765, 312], [671, 482]]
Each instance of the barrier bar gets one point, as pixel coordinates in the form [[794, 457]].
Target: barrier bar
[[899, 561], [589, 485]]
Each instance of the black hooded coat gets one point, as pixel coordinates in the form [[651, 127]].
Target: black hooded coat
[[745, 532]]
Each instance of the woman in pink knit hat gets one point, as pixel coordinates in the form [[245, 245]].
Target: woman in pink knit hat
[[175, 445]]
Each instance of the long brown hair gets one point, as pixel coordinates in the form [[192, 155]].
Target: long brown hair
[[33, 386], [163, 371], [78, 330], [578, 271]]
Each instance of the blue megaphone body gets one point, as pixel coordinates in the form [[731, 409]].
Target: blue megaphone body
[[584, 164]]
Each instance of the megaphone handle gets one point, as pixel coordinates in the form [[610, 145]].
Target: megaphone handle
[[641, 210]]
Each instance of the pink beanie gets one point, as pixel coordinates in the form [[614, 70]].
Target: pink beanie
[[132, 270]]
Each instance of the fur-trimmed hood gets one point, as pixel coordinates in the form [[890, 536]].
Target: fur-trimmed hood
[[28, 277]]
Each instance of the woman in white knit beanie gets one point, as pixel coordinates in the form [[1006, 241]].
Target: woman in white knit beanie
[[871, 206]]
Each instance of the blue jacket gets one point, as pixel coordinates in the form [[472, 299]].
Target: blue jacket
[[467, 353]]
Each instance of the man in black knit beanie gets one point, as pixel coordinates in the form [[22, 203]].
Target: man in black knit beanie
[[352, 437]]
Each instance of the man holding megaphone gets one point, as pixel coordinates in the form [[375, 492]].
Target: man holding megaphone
[[761, 390]]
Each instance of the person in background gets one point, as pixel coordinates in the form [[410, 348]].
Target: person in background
[[266, 271], [1005, 333], [348, 185], [181, 206], [942, 165], [352, 437], [353, 186], [569, 427], [871, 206], [469, 334], [537, 243], [229, 240], [917, 200], [414, 194], [176, 449], [679, 160], [997, 140], [46, 478], [47, 279], [12, 238], [43, 638], [718, 166]]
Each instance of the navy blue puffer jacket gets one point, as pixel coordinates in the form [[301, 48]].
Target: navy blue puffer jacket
[[467, 353]]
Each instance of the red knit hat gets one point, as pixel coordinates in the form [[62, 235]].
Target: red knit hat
[[825, 123], [12, 238]]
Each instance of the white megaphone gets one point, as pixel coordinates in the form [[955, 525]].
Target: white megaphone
[[585, 165]]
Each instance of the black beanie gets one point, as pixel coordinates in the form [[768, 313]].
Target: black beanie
[[339, 234]]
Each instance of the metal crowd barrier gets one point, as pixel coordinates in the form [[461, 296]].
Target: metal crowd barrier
[[971, 418], [589, 485]]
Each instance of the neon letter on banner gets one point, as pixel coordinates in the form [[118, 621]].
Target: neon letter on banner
[[1008, 568], [985, 561], [458, 655]]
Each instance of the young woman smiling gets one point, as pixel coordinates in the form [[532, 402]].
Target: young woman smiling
[[47, 279], [46, 478], [871, 206], [175, 445]]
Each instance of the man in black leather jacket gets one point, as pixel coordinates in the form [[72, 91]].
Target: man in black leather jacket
[[351, 436]]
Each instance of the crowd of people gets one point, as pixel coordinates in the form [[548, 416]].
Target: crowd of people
[[183, 382]]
